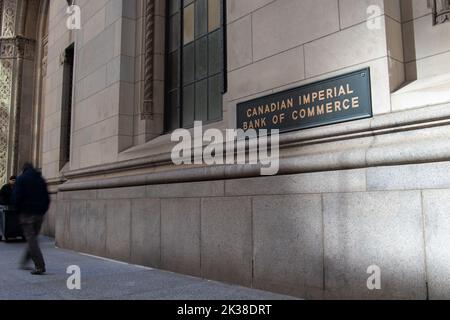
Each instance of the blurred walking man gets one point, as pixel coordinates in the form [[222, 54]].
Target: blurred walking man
[[31, 198]]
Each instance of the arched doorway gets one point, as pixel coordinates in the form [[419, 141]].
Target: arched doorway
[[23, 33]]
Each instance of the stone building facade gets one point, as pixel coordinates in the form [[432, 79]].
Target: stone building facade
[[94, 108]]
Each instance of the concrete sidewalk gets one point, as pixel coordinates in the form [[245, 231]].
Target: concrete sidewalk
[[103, 279]]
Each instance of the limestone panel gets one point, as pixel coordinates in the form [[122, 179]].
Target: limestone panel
[[238, 8], [96, 53], [422, 39], [352, 46], [239, 43], [394, 39], [129, 38], [267, 74], [92, 84], [355, 12], [114, 9], [379, 68], [285, 24], [392, 8], [94, 26], [413, 9], [91, 8], [428, 67]]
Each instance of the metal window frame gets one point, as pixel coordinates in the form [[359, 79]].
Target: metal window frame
[[223, 58]]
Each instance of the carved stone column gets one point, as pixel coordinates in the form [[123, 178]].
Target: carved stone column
[[14, 50], [7, 65], [151, 70], [149, 46]]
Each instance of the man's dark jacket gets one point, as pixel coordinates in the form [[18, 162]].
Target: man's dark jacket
[[5, 195], [30, 195]]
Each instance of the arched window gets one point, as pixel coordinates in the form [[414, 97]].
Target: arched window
[[195, 62]]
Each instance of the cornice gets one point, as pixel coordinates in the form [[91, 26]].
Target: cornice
[[392, 139]]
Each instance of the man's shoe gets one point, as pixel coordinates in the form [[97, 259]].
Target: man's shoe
[[38, 272]]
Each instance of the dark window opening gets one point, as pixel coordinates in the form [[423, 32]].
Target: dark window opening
[[66, 110], [195, 63]]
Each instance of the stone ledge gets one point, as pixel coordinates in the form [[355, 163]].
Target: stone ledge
[[420, 146], [432, 90], [382, 124], [412, 137]]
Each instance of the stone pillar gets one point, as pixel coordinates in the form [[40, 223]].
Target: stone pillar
[[14, 51], [149, 46], [7, 79], [149, 59]]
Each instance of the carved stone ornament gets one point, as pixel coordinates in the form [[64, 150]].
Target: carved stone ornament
[[149, 47], [1, 15], [17, 48], [9, 18], [44, 61], [441, 11], [6, 73]]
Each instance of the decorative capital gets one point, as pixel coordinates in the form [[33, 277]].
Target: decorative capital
[[6, 78], [17, 48], [441, 11]]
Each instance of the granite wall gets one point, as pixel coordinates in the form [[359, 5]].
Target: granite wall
[[310, 235]]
